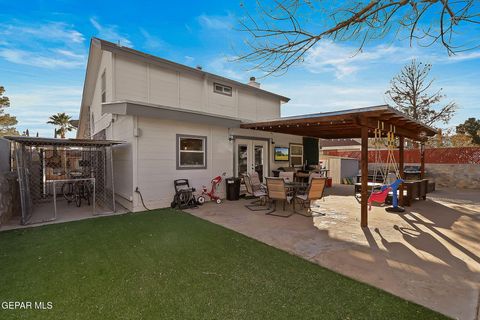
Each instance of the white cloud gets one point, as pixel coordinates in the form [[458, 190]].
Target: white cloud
[[49, 59], [44, 45], [33, 105], [110, 33], [189, 60], [151, 42], [345, 60], [321, 97], [223, 66], [51, 32], [216, 22]]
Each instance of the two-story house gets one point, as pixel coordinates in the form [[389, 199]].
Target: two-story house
[[177, 122]]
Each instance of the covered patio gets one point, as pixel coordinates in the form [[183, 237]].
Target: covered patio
[[428, 254], [355, 123]]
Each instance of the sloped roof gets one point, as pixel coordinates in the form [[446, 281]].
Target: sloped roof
[[347, 124]]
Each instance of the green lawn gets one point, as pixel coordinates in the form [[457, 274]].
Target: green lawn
[[166, 264]]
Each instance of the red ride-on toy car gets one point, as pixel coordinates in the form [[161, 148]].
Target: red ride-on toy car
[[212, 194]]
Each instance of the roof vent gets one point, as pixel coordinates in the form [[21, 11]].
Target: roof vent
[[254, 83]]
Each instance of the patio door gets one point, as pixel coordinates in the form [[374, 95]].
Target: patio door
[[251, 156]]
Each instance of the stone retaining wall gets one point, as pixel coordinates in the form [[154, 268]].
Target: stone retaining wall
[[461, 176], [465, 176], [9, 196]]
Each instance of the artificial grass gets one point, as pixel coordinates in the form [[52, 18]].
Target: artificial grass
[[167, 264]]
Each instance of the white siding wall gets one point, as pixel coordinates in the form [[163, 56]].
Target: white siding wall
[[281, 140], [155, 162], [102, 121], [156, 159], [144, 82], [122, 129]]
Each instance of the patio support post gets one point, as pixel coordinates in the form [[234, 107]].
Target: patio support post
[[364, 180], [422, 160], [401, 160]]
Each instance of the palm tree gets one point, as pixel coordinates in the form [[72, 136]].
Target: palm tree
[[63, 122]]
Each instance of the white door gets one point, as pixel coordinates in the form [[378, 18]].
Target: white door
[[250, 156]]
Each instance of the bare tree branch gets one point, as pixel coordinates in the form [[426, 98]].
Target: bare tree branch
[[279, 37], [409, 93]]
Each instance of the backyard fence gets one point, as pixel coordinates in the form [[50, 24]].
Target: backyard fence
[[465, 155], [448, 167]]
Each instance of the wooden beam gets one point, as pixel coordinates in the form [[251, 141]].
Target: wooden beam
[[364, 181], [422, 160], [401, 164], [399, 131]]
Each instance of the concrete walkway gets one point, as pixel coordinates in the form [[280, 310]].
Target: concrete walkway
[[428, 255]]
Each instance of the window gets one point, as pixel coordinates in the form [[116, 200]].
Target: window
[[103, 88], [222, 89], [296, 154], [191, 152]]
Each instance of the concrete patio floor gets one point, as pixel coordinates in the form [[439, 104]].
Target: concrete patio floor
[[428, 254], [43, 214]]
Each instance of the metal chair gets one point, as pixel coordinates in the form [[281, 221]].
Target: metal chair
[[287, 176], [257, 193], [256, 183], [314, 192], [277, 192]]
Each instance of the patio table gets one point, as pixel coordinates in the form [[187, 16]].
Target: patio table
[[295, 186]]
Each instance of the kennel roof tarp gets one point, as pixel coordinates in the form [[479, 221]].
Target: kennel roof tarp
[[39, 141]]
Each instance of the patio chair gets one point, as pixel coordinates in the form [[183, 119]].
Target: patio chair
[[256, 183], [258, 193], [314, 192], [277, 192], [287, 176]]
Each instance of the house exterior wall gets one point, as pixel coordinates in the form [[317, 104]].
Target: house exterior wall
[[156, 159], [279, 139], [100, 121], [145, 82], [122, 128], [149, 160]]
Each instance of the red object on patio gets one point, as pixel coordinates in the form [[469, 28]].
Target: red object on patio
[[329, 183]]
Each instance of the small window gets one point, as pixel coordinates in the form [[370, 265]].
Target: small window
[[103, 88], [222, 89], [191, 152], [296, 154]]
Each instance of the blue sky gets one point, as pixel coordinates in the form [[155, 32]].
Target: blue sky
[[44, 47]]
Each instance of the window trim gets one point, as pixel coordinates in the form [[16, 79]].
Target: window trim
[[215, 84], [296, 155], [177, 152]]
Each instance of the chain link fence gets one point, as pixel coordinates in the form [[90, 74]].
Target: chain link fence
[[64, 179]]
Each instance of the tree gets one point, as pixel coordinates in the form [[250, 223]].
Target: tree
[[63, 123], [409, 93], [470, 127], [7, 122], [283, 32]]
